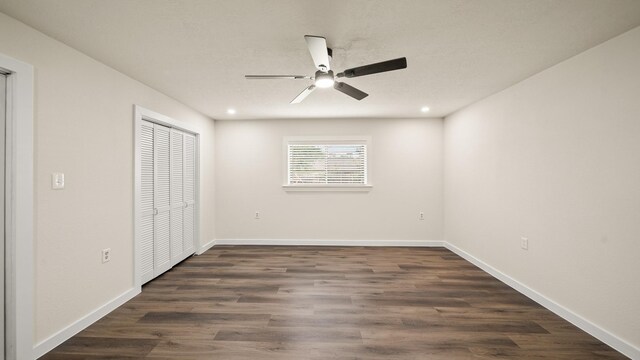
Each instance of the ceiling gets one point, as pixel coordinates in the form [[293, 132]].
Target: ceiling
[[458, 51]]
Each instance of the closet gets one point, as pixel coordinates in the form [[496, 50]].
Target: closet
[[167, 201]]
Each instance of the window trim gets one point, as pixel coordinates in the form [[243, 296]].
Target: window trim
[[325, 140]]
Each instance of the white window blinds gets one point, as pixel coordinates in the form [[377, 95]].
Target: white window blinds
[[327, 164]]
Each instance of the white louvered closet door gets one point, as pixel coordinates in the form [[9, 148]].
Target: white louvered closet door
[[190, 154], [177, 196], [167, 199], [162, 199], [146, 208]]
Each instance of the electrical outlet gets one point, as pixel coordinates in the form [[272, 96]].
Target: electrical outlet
[[257, 217], [421, 215], [106, 255], [524, 243], [57, 181]]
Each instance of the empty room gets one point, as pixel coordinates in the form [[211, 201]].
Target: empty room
[[340, 179]]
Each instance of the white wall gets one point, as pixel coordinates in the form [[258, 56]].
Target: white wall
[[556, 158], [405, 168], [84, 127]]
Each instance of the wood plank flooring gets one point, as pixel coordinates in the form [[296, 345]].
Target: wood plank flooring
[[330, 303]]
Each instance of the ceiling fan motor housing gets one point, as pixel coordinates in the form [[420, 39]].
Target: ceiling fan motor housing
[[324, 79]]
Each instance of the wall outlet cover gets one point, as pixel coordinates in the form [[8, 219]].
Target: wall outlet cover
[[106, 255], [57, 181]]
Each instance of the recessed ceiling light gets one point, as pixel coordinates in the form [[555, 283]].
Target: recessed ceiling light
[[424, 109], [231, 111]]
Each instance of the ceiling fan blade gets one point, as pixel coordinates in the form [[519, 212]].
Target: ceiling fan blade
[[389, 65], [292, 77], [303, 94], [350, 90], [318, 48]]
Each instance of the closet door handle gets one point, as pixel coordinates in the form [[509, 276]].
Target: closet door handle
[[155, 211], [186, 205]]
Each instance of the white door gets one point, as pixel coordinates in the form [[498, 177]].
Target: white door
[[190, 154], [147, 213], [177, 196], [162, 199], [165, 223], [3, 113]]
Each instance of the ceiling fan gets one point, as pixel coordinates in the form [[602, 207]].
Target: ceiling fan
[[325, 78]]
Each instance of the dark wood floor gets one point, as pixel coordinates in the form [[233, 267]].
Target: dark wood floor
[[330, 303]]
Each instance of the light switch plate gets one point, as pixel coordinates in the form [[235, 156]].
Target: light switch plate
[[57, 181]]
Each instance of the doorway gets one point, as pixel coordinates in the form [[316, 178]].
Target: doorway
[[16, 164], [3, 117]]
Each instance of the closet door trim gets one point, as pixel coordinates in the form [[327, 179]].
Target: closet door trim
[[142, 114]]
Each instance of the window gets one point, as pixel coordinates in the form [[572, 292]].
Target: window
[[326, 163]]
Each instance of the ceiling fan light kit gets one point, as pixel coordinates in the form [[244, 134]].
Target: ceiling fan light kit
[[324, 80], [324, 76]]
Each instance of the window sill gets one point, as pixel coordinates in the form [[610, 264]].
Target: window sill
[[354, 188]]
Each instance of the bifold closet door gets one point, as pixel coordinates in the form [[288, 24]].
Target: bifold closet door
[[146, 206], [177, 196], [183, 176], [155, 221], [162, 199], [190, 154], [167, 198]]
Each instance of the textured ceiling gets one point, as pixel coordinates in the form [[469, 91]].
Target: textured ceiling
[[458, 51]]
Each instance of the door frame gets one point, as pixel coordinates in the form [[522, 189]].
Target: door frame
[[140, 114], [19, 211]]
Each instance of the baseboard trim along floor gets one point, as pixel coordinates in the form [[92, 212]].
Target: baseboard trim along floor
[[65, 334], [580, 322], [593, 329], [329, 242]]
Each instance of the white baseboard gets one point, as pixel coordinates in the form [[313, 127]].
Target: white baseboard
[[601, 334], [205, 247], [328, 242], [596, 331], [63, 335]]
